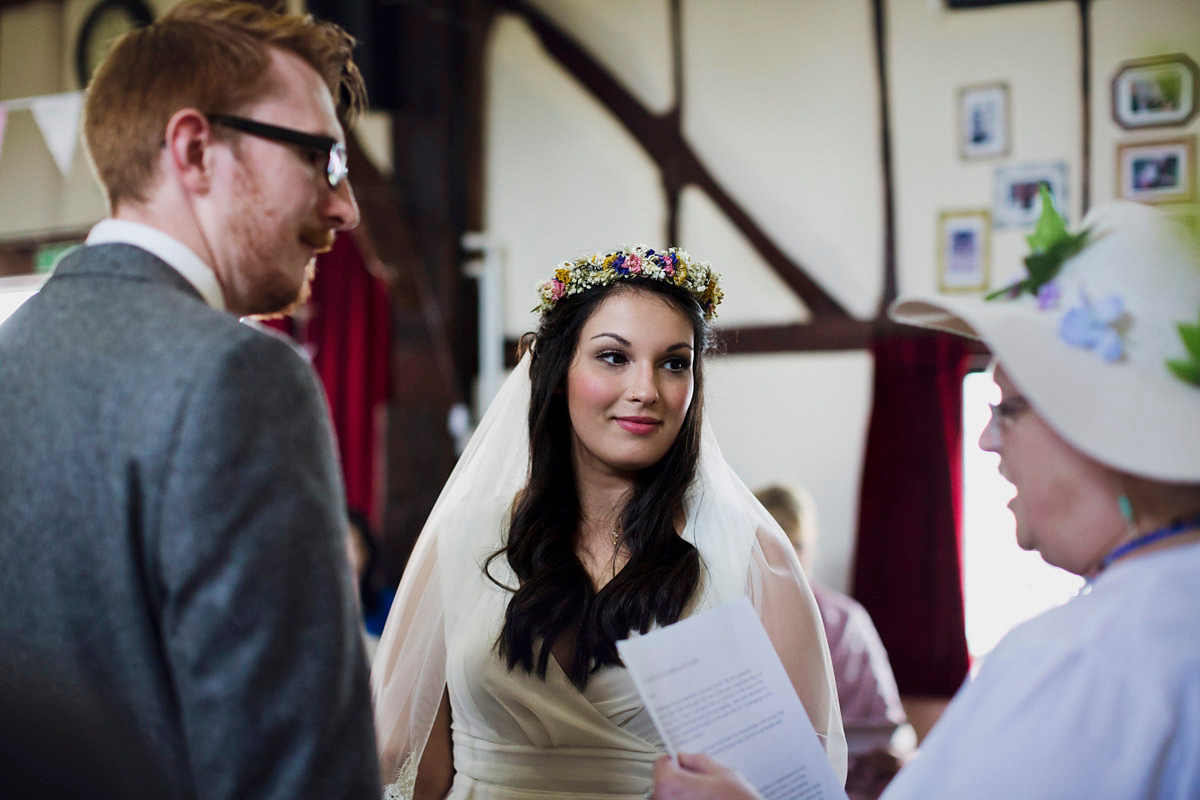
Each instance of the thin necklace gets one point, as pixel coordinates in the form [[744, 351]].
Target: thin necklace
[[1174, 529]]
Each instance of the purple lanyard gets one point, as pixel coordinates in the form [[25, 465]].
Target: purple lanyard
[[1182, 526]]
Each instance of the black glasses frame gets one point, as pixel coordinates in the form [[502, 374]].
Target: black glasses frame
[[336, 168]]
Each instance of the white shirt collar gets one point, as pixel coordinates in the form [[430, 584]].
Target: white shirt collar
[[167, 248]]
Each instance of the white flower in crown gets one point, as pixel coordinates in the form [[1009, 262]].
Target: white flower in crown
[[672, 266]]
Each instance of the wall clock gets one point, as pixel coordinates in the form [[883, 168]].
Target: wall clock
[[106, 21]]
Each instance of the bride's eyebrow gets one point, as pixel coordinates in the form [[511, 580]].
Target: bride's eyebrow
[[620, 339]]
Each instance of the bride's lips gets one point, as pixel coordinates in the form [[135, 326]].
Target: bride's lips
[[639, 425]]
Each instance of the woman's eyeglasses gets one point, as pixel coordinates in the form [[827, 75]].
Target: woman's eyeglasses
[[1007, 411], [336, 167]]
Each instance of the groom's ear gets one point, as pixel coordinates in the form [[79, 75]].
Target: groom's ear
[[188, 154]]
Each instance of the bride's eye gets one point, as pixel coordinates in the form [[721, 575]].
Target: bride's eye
[[613, 357], [677, 364]]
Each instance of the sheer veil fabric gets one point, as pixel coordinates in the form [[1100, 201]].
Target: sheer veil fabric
[[742, 549]]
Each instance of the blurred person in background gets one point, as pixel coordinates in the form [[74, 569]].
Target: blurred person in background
[[877, 734]]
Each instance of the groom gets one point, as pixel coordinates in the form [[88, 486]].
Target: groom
[[172, 567]]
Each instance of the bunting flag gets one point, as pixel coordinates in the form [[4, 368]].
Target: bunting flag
[[57, 117]]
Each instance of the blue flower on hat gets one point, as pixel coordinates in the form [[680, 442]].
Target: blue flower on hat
[[1096, 326]]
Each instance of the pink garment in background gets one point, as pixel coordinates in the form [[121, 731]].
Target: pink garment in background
[[867, 694], [866, 686]]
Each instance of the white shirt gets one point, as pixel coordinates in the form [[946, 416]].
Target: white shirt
[[1097, 699], [167, 248]]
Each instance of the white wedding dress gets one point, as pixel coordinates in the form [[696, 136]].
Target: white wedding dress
[[515, 735]]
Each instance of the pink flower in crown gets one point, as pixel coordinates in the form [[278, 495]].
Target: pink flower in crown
[[633, 262], [557, 288]]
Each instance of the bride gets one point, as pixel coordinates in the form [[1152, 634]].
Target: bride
[[592, 504]]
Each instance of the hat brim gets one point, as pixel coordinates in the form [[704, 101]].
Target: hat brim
[[1147, 424]]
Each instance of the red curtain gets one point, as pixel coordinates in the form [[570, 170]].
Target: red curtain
[[345, 328], [908, 571]]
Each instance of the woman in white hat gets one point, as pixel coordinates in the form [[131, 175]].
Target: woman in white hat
[[1098, 427]]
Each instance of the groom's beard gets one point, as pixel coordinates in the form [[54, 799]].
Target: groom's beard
[[302, 296], [320, 240]]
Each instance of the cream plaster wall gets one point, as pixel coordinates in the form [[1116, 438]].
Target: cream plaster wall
[[933, 52], [562, 178], [799, 420], [627, 37], [781, 103]]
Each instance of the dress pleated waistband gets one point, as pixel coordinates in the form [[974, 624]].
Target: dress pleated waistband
[[490, 771]]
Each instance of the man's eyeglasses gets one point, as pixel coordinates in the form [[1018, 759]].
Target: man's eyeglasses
[[336, 167]]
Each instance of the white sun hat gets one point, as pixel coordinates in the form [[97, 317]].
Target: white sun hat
[[1089, 348]]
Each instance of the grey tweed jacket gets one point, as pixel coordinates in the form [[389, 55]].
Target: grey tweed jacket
[[171, 538]]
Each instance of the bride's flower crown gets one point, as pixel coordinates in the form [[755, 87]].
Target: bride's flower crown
[[672, 265]]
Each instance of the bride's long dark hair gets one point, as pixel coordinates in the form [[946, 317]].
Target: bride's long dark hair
[[555, 596]]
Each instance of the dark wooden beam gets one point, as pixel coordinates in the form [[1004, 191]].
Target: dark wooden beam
[[830, 335], [1085, 87], [890, 288], [827, 336], [662, 138]]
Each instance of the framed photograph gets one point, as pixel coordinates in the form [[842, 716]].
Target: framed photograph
[[1153, 92], [983, 120], [1015, 201], [964, 250], [1157, 172]]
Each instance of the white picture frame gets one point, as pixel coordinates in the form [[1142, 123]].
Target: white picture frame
[[983, 121], [1016, 202]]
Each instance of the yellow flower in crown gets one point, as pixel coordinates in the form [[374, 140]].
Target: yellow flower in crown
[[601, 269], [712, 295], [681, 273]]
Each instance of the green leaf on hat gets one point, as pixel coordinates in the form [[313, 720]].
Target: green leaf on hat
[[1187, 369], [1191, 338], [1050, 245], [1050, 225]]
